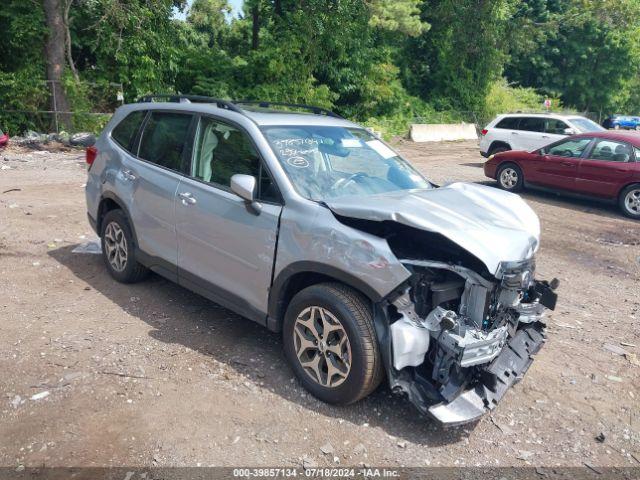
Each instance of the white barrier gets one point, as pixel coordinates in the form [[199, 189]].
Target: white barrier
[[443, 132]]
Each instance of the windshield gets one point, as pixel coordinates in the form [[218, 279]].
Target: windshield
[[584, 125], [332, 162]]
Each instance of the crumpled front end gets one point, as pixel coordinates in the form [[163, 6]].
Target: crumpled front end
[[465, 325], [459, 339]]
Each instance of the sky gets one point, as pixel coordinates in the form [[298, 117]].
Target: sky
[[236, 5]]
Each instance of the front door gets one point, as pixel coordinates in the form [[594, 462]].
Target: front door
[[607, 167], [226, 248], [557, 166]]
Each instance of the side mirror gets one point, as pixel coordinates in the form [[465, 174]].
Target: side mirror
[[569, 131], [246, 188]]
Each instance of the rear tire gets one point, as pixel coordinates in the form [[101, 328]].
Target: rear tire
[[330, 342], [499, 149], [510, 177], [629, 201], [118, 250]]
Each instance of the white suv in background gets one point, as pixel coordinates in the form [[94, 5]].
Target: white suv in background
[[531, 131]]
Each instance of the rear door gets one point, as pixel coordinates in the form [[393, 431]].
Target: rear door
[[503, 131], [154, 176], [530, 133], [226, 248], [557, 166], [608, 166]]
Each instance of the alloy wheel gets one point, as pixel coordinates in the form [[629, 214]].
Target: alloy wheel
[[632, 201], [322, 346], [508, 178], [115, 244]]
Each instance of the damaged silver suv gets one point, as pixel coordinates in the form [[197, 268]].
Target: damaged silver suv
[[310, 225]]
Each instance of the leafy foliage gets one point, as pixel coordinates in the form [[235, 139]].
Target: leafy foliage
[[382, 62]]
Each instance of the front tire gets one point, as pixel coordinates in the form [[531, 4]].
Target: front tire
[[629, 201], [510, 177], [118, 250], [330, 342]]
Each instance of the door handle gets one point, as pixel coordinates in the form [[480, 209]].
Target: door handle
[[568, 164], [514, 133], [128, 175], [187, 198]]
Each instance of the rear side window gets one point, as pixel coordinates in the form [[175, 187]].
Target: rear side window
[[164, 139], [532, 124], [509, 123], [126, 130], [610, 151]]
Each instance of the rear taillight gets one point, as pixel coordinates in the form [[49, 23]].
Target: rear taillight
[[484, 132], [91, 154]]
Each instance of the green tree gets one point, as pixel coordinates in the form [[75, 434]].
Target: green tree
[[454, 63]]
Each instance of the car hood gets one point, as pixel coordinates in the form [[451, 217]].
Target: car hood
[[493, 225]]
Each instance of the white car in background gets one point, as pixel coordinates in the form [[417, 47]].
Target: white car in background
[[529, 132]]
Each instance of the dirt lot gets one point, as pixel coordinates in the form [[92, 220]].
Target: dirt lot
[[152, 374]]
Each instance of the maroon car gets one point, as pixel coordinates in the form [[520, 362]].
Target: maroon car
[[603, 165], [4, 139]]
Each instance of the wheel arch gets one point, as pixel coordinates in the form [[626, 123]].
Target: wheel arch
[[505, 162], [300, 275], [498, 143], [110, 201], [635, 181]]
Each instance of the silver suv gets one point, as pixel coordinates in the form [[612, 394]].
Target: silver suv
[[311, 226]]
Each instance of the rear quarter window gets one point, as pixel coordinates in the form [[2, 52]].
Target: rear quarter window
[[532, 124], [126, 130], [164, 139]]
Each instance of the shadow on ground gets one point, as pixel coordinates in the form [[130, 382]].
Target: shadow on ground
[[179, 316]]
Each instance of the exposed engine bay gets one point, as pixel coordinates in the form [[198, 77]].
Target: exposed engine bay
[[455, 332], [464, 325]]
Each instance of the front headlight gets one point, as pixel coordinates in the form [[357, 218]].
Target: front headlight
[[490, 158]]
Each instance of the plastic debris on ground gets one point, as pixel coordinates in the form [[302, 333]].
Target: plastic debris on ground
[[91, 247]]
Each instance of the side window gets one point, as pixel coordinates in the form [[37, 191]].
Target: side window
[[509, 123], [609, 151], [570, 148], [556, 127], [637, 151], [126, 130], [163, 139], [532, 124], [221, 151]]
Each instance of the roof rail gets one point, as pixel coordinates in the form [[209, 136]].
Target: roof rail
[[178, 98], [312, 108], [233, 104]]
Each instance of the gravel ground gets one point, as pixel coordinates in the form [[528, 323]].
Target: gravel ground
[[95, 373]]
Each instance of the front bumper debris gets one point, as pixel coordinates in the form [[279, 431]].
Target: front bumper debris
[[505, 370]]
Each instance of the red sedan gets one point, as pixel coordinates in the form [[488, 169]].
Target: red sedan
[[4, 139], [604, 165]]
